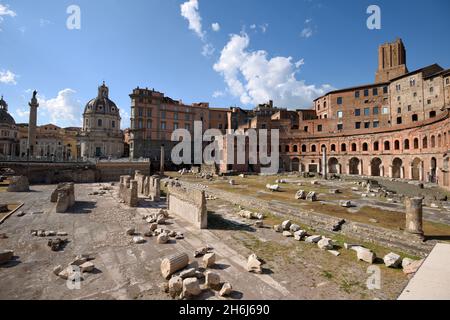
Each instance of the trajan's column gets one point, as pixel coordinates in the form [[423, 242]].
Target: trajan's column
[[32, 125]]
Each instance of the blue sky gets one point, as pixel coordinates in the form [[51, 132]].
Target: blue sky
[[287, 50]]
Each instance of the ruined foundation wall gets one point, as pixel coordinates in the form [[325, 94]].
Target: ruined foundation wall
[[128, 191], [190, 205]]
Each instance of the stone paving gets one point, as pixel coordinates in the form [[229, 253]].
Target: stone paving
[[97, 225]]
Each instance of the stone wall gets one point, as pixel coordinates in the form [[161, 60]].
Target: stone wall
[[188, 204], [148, 186], [63, 196], [18, 184], [112, 171], [128, 191]]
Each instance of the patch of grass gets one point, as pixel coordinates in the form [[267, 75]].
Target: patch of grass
[[327, 274], [348, 286]]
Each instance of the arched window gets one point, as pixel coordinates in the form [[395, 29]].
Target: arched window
[[406, 144], [416, 143], [313, 148], [387, 146], [99, 122], [433, 141], [304, 148], [287, 149], [365, 147], [343, 147], [397, 145], [353, 147], [439, 143], [333, 148], [295, 148], [376, 146], [425, 143]]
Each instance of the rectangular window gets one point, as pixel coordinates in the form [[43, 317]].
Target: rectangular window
[[375, 91], [431, 89], [409, 108], [305, 129], [356, 94], [339, 100], [340, 114], [385, 90], [376, 124], [398, 87], [357, 112], [140, 124], [376, 110], [367, 112], [385, 110], [357, 125], [366, 92], [366, 125], [447, 81], [113, 124], [319, 128], [163, 114], [140, 112], [340, 126], [175, 115], [429, 101], [149, 113], [149, 124], [163, 125]]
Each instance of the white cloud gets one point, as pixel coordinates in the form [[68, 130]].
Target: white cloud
[[5, 11], [255, 78], [264, 27], [306, 32], [24, 114], [8, 77], [253, 26], [215, 26], [64, 110], [218, 94], [189, 10], [125, 119], [208, 49]]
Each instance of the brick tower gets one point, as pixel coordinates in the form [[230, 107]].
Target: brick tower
[[391, 61]]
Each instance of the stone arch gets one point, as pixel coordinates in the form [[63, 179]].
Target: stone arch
[[433, 170], [365, 146], [295, 164], [416, 168], [397, 168], [406, 144], [354, 166], [375, 165], [333, 165]]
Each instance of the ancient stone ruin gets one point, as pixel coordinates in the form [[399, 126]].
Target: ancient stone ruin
[[18, 184], [128, 191], [148, 186], [190, 205], [63, 196], [414, 223]]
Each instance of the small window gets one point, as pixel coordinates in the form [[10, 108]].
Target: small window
[[366, 92], [340, 114], [366, 125], [399, 120], [319, 128], [431, 89], [375, 91], [343, 147], [447, 81], [305, 129], [99, 122], [365, 147], [366, 112], [385, 110], [399, 110], [376, 146], [333, 148], [429, 101], [387, 145], [339, 100], [313, 148], [432, 114], [356, 94], [398, 87], [354, 147], [340, 126], [376, 110], [415, 118], [304, 148], [385, 90], [357, 112], [376, 124], [163, 125], [113, 124], [409, 108], [406, 144], [357, 125]]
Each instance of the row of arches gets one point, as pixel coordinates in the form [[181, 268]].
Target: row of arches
[[398, 145], [397, 168]]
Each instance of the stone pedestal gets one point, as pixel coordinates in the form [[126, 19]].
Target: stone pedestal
[[324, 164], [414, 222]]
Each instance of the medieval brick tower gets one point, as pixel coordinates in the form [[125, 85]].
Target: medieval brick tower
[[391, 61]]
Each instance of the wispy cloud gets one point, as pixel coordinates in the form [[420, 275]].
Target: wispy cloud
[[218, 94], [4, 12], [8, 77], [215, 27], [44, 22], [308, 29]]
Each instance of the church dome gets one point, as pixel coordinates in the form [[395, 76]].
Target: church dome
[[102, 104], [5, 117]]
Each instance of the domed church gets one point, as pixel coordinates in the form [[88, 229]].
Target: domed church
[[9, 142], [101, 136]]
